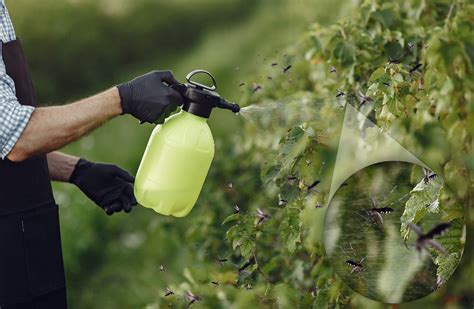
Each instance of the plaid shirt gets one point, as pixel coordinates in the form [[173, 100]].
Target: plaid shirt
[[13, 116]]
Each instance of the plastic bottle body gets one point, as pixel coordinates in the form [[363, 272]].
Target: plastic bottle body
[[175, 165]]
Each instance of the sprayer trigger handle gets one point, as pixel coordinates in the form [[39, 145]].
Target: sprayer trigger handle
[[195, 72]]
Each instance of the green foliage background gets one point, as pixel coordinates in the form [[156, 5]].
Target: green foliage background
[[77, 48]]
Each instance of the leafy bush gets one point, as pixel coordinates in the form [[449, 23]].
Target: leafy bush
[[407, 65]]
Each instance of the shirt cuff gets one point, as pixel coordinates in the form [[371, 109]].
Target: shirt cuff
[[16, 124]]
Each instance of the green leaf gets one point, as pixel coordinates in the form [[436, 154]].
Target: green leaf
[[289, 192], [393, 50], [377, 74], [446, 266], [270, 172], [317, 43], [344, 52], [453, 241], [291, 148], [429, 78], [424, 199], [386, 17], [322, 299], [232, 217], [232, 233], [469, 47], [246, 246], [290, 229]]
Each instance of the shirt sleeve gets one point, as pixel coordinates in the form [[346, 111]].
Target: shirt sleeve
[[13, 116]]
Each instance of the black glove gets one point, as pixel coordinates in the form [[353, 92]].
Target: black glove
[[148, 98], [109, 186]]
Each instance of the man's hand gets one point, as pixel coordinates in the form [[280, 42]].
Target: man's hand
[[109, 186], [149, 97]]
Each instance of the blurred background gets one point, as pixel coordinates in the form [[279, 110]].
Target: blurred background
[[79, 47]]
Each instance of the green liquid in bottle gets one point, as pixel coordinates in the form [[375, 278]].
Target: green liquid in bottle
[[175, 165]]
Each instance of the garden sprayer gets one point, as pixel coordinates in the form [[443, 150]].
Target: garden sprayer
[[179, 153]]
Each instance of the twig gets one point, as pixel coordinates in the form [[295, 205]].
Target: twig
[[448, 17]]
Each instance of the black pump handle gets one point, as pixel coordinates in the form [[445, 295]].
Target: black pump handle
[[191, 74]]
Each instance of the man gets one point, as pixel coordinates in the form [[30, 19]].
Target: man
[[31, 265]]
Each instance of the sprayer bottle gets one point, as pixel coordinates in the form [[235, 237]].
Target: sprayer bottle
[[179, 152]]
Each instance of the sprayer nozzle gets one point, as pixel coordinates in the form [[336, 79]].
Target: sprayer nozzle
[[235, 108]]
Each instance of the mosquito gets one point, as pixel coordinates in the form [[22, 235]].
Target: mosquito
[[192, 298], [332, 70], [363, 99], [222, 261], [256, 87], [415, 68], [428, 175], [425, 240], [216, 283], [168, 292], [274, 64], [394, 61], [236, 209], [312, 187], [241, 84], [262, 216], [287, 68], [340, 93], [376, 212], [291, 177], [357, 267], [247, 264]]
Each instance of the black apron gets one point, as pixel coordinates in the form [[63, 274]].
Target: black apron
[[31, 263]]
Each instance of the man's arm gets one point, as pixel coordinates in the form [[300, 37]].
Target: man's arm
[[61, 166], [148, 98], [50, 128]]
